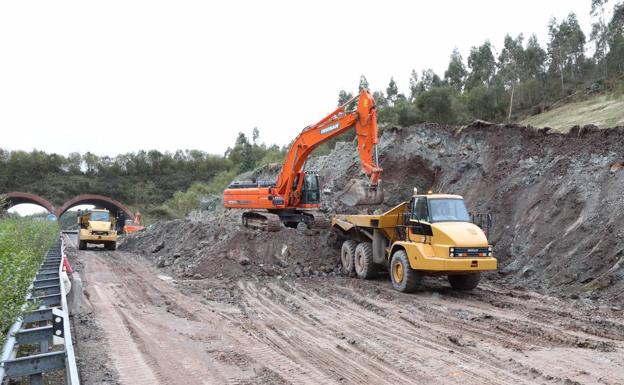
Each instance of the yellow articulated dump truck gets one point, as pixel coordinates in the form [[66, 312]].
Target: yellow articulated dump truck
[[432, 234], [97, 227]]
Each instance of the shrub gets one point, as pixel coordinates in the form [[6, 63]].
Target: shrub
[[436, 105], [618, 90], [23, 243]]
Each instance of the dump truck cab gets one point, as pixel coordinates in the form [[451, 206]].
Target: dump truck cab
[[97, 226], [432, 234]]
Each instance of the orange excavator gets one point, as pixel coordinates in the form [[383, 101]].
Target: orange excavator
[[295, 197]]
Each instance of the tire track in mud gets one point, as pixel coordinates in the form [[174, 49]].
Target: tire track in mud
[[306, 344], [150, 339], [190, 310], [432, 322], [128, 359], [381, 336], [348, 326], [341, 331], [554, 325]]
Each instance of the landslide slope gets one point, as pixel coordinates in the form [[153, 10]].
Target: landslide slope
[[557, 201]]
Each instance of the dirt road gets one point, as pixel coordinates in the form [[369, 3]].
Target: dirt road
[[156, 330]]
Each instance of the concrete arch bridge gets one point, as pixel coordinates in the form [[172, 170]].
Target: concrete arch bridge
[[118, 209]]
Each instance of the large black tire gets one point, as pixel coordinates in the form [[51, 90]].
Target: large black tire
[[364, 266], [347, 256], [403, 277], [82, 245], [464, 281], [110, 245]]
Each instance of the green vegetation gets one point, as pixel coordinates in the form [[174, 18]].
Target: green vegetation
[[518, 79], [23, 243], [603, 111], [149, 181], [183, 202]]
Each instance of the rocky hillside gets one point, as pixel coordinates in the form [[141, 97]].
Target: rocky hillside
[[557, 202]]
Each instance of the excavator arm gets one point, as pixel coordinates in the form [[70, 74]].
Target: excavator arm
[[363, 118]]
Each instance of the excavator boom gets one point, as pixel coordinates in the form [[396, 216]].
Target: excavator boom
[[363, 118]]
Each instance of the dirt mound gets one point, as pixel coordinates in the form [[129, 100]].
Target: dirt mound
[[215, 245], [557, 202]]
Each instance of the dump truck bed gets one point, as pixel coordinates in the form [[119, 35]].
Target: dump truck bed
[[387, 222]]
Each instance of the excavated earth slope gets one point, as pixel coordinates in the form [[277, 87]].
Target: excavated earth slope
[[557, 202]]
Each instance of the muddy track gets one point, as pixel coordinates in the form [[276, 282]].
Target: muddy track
[[341, 331]]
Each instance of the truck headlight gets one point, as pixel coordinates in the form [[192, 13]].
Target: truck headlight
[[452, 252], [490, 251]]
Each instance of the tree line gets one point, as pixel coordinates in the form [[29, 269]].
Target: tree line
[[145, 180], [520, 79]]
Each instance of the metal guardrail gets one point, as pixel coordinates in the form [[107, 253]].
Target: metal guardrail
[[37, 328]]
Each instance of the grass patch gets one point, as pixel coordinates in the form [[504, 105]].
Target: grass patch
[[604, 111], [23, 243]]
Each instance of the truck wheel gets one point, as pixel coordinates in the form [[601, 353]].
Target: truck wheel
[[110, 245], [82, 245], [364, 266], [404, 278], [347, 255], [464, 281]]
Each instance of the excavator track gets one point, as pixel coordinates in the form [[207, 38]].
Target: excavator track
[[319, 220], [262, 220]]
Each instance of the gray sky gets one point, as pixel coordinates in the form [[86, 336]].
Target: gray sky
[[119, 76]]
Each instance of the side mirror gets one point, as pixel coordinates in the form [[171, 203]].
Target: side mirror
[[416, 227], [420, 228]]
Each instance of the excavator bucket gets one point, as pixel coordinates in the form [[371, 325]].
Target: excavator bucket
[[372, 197], [360, 193]]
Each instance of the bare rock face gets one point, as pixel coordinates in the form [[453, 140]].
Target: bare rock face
[[617, 166], [158, 247]]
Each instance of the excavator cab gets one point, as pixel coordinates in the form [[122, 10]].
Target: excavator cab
[[311, 191]]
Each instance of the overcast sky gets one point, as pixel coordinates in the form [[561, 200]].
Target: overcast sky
[[119, 76]]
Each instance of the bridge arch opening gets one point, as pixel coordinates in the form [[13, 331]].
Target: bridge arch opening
[[27, 203], [30, 209], [117, 209]]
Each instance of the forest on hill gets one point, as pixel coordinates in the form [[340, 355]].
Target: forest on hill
[[519, 78]]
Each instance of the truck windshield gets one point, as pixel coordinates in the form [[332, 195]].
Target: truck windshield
[[448, 210], [99, 216]]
